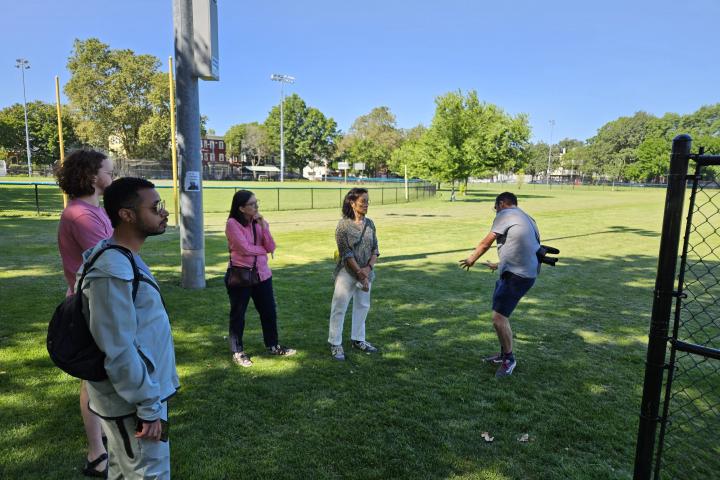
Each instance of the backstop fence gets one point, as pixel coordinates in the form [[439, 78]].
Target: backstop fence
[[28, 198], [679, 432]]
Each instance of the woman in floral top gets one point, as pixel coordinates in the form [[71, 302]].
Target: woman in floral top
[[358, 252]]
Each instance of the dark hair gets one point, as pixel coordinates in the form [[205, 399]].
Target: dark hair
[[350, 197], [76, 174], [240, 198], [123, 193], [507, 197]]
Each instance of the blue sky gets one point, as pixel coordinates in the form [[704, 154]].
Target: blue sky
[[579, 63]]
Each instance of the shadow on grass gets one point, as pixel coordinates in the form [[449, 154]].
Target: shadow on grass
[[414, 411]]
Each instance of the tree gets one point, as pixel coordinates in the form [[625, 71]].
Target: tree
[[653, 160], [372, 139], [705, 122], [614, 146], [233, 140], [116, 92], [309, 135], [537, 159], [247, 141], [42, 127], [468, 137]]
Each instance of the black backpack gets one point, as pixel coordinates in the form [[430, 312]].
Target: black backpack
[[69, 341]]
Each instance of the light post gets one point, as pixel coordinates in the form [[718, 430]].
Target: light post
[[552, 125], [283, 79], [23, 65]]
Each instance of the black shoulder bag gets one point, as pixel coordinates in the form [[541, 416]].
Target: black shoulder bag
[[542, 252], [69, 341], [245, 276]]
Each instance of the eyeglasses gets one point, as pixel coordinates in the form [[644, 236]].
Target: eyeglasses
[[252, 204], [111, 174], [159, 207]]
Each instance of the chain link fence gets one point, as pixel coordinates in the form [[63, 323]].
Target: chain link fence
[[686, 318], [45, 198]]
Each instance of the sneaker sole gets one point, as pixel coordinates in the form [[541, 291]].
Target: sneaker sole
[[507, 372], [365, 351]]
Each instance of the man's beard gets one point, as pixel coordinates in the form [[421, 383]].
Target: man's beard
[[152, 232]]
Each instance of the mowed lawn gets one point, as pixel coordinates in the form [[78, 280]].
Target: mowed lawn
[[418, 409]]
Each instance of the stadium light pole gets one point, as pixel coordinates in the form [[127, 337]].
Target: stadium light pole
[[283, 79], [23, 65], [552, 125]]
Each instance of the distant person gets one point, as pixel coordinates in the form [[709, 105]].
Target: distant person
[[518, 242], [358, 252], [83, 176], [249, 242], [134, 334]]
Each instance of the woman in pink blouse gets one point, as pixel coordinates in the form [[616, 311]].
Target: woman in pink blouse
[[83, 176], [249, 242]]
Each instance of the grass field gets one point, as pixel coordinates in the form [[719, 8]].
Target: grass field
[[419, 408]]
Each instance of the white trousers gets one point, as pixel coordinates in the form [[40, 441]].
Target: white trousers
[[345, 290]]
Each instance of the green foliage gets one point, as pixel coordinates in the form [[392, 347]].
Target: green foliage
[[468, 137], [42, 127], [537, 159], [309, 135], [118, 92], [371, 140], [248, 140], [615, 144], [652, 160]]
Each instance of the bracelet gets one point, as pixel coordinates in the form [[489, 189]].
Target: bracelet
[[371, 267]]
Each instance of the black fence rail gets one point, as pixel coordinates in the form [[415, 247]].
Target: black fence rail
[[681, 394], [39, 198]]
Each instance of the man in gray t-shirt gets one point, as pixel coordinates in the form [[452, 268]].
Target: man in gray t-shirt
[[518, 241]]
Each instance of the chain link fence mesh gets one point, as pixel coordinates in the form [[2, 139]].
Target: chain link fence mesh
[[690, 444]]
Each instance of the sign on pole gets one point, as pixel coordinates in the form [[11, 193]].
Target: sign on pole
[[343, 166], [358, 166]]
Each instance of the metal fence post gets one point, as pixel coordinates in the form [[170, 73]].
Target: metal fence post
[[662, 306], [382, 195], [278, 199], [37, 199], [312, 203]]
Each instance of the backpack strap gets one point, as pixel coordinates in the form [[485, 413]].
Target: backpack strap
[[127, 253]]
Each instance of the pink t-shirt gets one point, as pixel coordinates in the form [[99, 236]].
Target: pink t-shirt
[[242, 250], [81, 227]]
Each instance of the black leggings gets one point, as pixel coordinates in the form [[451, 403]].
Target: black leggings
[[264, 300]]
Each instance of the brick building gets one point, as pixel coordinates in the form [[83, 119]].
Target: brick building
[[215, 162]]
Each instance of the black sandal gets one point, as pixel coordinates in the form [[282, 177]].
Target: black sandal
[[89, 470]]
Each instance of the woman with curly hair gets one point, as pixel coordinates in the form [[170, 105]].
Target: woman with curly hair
[[83, 176]]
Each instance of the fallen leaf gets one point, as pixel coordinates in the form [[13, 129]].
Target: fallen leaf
[[524, 438], [486, 436]]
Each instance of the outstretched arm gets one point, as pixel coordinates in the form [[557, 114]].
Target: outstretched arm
[[479, 251]]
